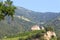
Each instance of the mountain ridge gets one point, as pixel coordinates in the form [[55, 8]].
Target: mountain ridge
[[9, 27]]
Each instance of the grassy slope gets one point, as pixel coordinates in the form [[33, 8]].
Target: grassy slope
[[23, 35], [16, 38]]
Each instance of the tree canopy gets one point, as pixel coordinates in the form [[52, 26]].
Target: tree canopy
[[6, 9]]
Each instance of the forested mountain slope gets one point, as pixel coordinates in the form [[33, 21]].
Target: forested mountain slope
[[24, 19]]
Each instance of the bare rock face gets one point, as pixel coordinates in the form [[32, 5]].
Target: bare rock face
[[49, 35]]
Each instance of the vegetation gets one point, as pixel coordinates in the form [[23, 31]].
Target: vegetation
[[49, 28], [19, 25], [14, 28], [56, 25], [10, 31], [27, 35], [38, 34], [6, 8]]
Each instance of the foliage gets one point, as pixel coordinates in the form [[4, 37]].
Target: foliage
[[6, 8], [58, 38], [14, 27], [53, 38], [49, 28], [39, 34], [33, 35]]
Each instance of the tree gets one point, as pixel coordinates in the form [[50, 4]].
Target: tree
[[49, 29], [7, 9]]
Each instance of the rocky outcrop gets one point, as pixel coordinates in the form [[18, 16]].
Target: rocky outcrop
[[48, 35]]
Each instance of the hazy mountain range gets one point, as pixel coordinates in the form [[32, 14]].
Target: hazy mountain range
[[24, 19]]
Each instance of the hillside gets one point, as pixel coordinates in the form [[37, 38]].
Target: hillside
[[55, 24], [23, 20], [8, 27], [37, 17], [33, 35]]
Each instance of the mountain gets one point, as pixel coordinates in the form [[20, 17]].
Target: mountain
[[8, 28], [37, 17], [55, 23], [24, 19]]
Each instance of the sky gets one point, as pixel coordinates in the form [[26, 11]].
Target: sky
[[39, 5]]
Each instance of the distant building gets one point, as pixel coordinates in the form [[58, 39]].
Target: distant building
[[37, 27]]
